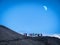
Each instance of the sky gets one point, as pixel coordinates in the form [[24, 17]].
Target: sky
[[33, 16]]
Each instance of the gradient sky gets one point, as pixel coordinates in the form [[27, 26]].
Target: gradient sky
[[31, 16]]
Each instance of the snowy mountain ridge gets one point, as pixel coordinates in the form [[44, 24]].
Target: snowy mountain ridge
[[55, 35]]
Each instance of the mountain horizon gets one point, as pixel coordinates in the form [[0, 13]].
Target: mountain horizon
[[10, 37]]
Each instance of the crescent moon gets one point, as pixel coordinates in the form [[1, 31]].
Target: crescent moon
[[45, 7]]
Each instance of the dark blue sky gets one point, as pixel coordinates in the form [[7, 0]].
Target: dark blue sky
[[31, 16]]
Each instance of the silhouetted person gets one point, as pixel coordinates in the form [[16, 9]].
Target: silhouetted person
[[25, 34]]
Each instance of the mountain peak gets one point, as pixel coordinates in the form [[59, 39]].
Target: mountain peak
[[2, 26], [8, 34]]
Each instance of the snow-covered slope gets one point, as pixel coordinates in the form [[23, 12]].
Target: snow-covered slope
[[55, 35]]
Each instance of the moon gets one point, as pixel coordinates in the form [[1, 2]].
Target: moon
[[45, 7]]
